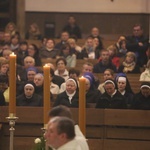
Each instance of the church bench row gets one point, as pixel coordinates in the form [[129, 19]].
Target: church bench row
[[106, 129], [80, 42]]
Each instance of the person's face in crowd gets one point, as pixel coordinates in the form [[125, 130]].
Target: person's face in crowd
[[44, 41], [23, 47], [105, 56], [129, 59], [87, 84], [71, 20], [15, 41], [61, 66], [121, 38], [6, 47], [70, 87], [72, 44], [66, 51], [87, 68], [137, 31], [29, 63], [123, 46], [6, 54], [32, 27], [64, 36], [30, 75], [31, 50], [145, 91], [11, 27], [73, 76], [50, 44], [28, 90], [3, 86], [7, 37], [107, 75], [52, 137], [121, 85], [4, 68], [111, 52], [89, 42], [95, 32], [110, 88], [96, 41], [38, 80]]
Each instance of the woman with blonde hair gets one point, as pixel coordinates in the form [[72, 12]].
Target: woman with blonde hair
[[145, 76], [34, 32], [129, 64], [11, 28], [75, 48]]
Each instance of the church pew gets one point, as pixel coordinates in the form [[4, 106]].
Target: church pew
[[127, 129], [28, 126], [108, 129]]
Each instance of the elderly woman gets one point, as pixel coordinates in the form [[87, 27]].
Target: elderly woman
[[92, 94], [129, 64], [111, 98], [145, 76], [29, 97], [69, 97], [141, 100]]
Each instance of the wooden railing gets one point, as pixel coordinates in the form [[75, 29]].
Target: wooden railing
[[106, 129]]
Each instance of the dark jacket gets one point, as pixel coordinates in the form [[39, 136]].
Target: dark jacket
[[73, 31], [132, 45], [35, 100], [2, 99], [141, 102], [58, 80], [92, 96], [62, 99], [100, 67], [116, 102], [129, 98]]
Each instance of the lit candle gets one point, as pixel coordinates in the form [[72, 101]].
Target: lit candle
[[82, 115], [46, 70], [12, 85]]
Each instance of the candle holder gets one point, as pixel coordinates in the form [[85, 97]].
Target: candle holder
[[43, 132], [12, 121]]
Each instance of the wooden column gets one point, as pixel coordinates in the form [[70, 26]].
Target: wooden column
[[21, 17]]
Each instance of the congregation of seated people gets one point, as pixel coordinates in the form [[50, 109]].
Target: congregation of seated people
[[128, 55]]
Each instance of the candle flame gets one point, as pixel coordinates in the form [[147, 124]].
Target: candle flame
[[12, 53]]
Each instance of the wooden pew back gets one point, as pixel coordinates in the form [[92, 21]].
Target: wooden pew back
[[106, 128]]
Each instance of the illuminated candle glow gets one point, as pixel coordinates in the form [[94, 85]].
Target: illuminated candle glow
[[82, 105], [12, 85], [46, 70]]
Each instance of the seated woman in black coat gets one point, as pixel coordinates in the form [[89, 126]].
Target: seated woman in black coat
[[124, 88], [29, 97], [69, 97], [92, 94], [141, 100], [111, 98]]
